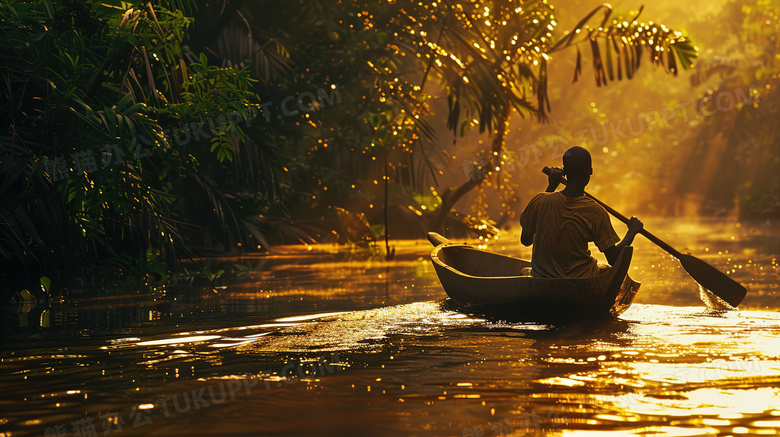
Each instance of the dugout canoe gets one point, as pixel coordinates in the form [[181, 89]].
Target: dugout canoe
[[489, 282]]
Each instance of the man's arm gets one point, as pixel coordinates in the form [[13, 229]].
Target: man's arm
[[527, 237], [554, 179], [634, 226]]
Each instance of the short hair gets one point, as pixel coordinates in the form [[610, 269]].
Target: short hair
[[577, 162]]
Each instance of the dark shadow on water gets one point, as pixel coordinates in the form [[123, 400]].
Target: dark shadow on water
[[547, 337], [563, 321]]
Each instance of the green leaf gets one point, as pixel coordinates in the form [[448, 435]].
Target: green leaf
[[27, 296], [608, 56], [45, 284], [45, 321], [49, 9]]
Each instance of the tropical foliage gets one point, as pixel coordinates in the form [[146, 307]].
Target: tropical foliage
[[393, 59], [134, 133], [89, 174]]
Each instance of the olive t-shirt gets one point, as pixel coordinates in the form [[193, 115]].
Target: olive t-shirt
[[562, 227]]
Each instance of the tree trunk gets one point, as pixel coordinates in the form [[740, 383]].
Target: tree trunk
[[452, 196]]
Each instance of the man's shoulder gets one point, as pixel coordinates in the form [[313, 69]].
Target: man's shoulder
[[534, 205], [543, 196]]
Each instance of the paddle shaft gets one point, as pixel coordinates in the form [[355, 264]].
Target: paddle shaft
[[672, 251]]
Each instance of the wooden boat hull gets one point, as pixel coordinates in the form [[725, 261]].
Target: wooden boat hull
[[490, 282]]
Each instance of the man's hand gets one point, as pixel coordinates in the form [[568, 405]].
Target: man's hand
[[635, 226], [554, 178]]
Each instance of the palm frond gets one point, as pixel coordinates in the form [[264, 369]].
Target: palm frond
[[624, 42]]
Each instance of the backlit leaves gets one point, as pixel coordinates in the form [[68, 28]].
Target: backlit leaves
[[617, 46]]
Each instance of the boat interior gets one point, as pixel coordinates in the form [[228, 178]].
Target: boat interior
[[475, 262]]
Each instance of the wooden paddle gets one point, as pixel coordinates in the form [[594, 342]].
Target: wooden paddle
[[707, 276]]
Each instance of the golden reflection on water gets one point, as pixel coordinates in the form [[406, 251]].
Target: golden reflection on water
[[699, 370], [707, 372], [412, 366], [667, 431], [309, 317], [178, 340]]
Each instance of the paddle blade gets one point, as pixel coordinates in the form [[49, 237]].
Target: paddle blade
[[713, 280]]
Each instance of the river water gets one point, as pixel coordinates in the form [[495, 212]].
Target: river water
[[330, 341]]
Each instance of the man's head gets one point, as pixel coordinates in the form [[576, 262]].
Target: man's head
[[577, 165]]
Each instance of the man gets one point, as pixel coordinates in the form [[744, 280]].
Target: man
[[560, 224]]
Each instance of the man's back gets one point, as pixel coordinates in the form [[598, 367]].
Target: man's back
[[562, 227]]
